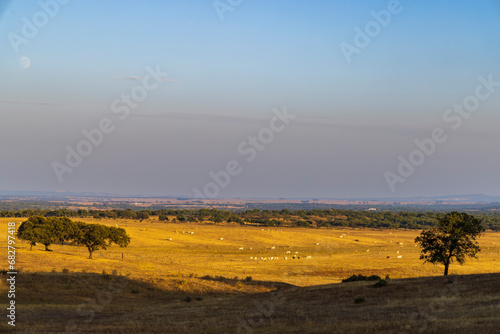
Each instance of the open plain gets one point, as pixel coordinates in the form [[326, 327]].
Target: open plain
[[216, 278]]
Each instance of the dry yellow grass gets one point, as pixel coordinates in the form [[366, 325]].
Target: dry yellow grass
[[152, 256]]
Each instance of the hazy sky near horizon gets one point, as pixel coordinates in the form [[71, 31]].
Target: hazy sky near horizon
[[225, 73]]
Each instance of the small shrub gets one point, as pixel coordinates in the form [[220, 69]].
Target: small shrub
[[248, 278], [359, 300], [380, 283], [356, 278], [114, 272], [207, 277], [65, 270], [182, 282]]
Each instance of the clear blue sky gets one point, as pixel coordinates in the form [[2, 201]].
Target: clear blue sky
[[353, 119]]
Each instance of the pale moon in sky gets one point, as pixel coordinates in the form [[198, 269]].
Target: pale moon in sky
[[25, 62]]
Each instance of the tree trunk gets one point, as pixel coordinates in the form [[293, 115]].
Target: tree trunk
[[90, 254], [446, 265], [47, 248]]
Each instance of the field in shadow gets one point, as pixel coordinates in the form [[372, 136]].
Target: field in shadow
[[107, 303]]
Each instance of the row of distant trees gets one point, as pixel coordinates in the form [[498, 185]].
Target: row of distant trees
[[80, 213], [52, 230], [302, 218]]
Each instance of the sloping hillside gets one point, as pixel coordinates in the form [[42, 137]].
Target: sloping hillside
[[93, 303]]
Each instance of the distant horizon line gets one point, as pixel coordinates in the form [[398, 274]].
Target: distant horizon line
[[453, 197]]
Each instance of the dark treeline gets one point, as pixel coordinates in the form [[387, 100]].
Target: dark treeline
[[393, 207], [310, 218]]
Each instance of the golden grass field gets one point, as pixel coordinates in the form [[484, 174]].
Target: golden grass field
[[156, 274]]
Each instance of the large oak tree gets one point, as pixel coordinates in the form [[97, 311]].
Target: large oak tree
[[96, 236], [453, 238], [38, 229]]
